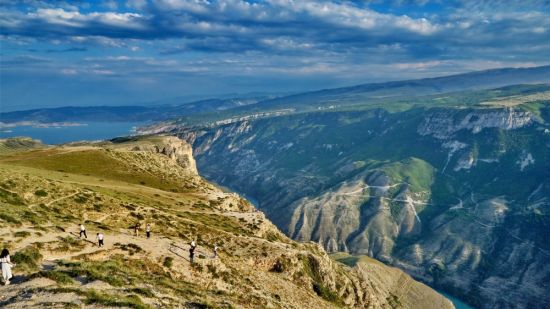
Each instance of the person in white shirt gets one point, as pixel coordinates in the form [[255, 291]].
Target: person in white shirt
[[100, 239], [148, 230], [6, 266], [215, 251], [82, 231]]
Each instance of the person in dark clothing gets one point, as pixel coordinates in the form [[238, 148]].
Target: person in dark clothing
[[148, 230], [82, 231], [191, 253]]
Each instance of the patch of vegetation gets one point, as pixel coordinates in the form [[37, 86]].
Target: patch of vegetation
[[273, 236], [393, 301], [69, 243], [28, 259], [57, 276], [311, 268], [40, 193], [131, 248], [100, 298], [200, 305], [9, 219], [21, 234], [168, 261], [326, 293], [142, 291], [282, 264], [10, 198]]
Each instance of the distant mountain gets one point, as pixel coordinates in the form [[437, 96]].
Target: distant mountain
[[374, 93], [128, 113], [380, 92]]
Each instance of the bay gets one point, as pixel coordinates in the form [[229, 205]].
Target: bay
[[65, 134]]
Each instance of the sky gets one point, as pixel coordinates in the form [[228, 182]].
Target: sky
[[59, 53]]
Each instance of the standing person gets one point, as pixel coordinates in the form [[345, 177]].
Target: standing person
[[148, 230], [83, 231], [136, 229], [100, 239], [215, 250], [192, 251], [6, 266]]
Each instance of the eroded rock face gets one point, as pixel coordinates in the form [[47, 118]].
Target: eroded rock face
[[446, 195], [174, 148], [443, 124]]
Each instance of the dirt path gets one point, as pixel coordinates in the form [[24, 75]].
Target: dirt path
[[55, 201]]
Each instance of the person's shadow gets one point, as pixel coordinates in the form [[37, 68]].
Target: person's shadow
[[17, 279]]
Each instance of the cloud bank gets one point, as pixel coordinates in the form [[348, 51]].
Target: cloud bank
[[175, 46]]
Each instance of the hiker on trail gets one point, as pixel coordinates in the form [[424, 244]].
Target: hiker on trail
[[215, 251], [6, 266], [192, 251], [148, 230], [100, 239], [82, 231], [136, 229]]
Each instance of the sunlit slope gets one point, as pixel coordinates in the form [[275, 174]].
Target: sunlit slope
[[46, 193]]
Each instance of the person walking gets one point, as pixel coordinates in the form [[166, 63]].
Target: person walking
[[82, 231], [100, 238], [136, 229], [148, 230], [6, 266], [192, 251], [215, 251]]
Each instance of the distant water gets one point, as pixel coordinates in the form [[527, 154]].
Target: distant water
[[66, 134], [457, 302]]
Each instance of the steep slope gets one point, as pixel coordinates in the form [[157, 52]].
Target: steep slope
[[453, 188], [46, 192]]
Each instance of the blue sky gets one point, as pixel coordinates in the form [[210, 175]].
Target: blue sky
[[58, 53]]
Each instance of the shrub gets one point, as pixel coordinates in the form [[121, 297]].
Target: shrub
[[81, 199], [57, 276], [9, 219], [40, 193], [27, 259], [168, 261], [21, 234], [326, 293]]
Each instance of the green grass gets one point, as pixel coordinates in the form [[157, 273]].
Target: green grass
[[10, 198], [93, 297], [418, 173], [57, 276], [27, 259], [21, 234], [90, 162], [69, 243], [168, 261], [40, 193]]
